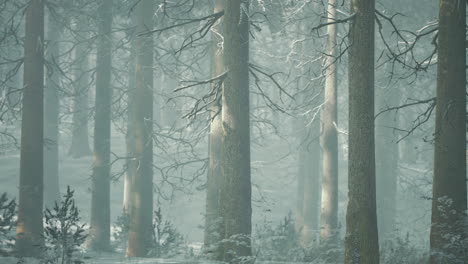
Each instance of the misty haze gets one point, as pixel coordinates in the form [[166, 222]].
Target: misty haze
[[233, 131]]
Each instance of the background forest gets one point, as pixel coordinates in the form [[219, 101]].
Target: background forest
[[237, 131]]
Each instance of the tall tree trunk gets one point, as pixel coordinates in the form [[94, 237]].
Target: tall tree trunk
[[449, 183], [298, 125], [212, 216], [311, 191], [361, 243], [386, 153], [235, 200], [51, 116], [301, 132], [130, 136], [141, 195], [80, 139], [100, 200], [29, 227], [329, 137]]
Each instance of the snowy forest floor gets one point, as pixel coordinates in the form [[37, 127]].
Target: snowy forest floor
[[274, 196], [114, 258], [273, 180]]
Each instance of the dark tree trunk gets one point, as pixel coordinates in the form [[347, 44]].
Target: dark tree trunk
[[51, 116], [449, 183], [235, 200], [361, 242], [100, 200], [29, 227]]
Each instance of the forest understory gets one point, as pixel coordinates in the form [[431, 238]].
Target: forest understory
[[233, 131]]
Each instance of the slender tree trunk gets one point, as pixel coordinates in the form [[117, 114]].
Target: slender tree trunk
[[301, 132], [298, 124], [51, 117], [130, 136], [235, 200], [212, 217], [29, 227], [141, 195], [80, 139], [386, 162], [361, 243], [100, 200], [329, 137], [311, 203], [449, 183]]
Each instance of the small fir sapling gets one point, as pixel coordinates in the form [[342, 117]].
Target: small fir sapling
[[7, 221], [278, 243], [64, 234], [400, 251], [167, 240], [121, 228]]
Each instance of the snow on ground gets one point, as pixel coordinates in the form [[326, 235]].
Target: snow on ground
[[11, 260], [274, 187], [118, 259], [111, 259], [273, 177]]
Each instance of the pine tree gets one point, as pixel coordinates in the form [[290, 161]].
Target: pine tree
[[449, 201], [29, 227], [141, 181], [361, 240], [236, 190], [100, 196]]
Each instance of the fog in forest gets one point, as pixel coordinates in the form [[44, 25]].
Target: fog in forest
[[233, 131]]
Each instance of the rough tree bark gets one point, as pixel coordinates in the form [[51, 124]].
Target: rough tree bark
[[99, 238], [235, 200], [141, 194], [212, 215], [361, 241], [29, 227], [449, 182], [329, 137], [51, 115]]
